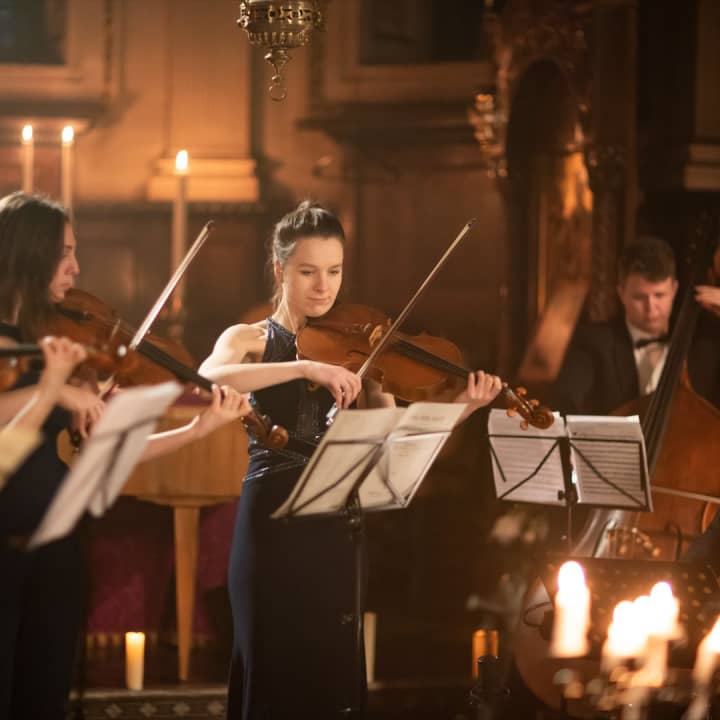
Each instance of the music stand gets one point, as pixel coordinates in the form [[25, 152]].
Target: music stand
[[370, 460], [583, 460], [611, 580], [107, 459]]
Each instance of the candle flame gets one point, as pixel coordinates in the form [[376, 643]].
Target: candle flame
[[27, 133], [181, 161], [627, 633], [663, 611], [661, 591], [68, 135], [571, 576], [713, 637]]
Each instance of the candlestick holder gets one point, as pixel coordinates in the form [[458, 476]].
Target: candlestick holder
[[488, 694]]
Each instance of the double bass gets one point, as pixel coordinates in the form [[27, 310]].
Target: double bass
[[681, 430]]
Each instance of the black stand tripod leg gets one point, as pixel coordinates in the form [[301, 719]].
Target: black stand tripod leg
[[355, 527]]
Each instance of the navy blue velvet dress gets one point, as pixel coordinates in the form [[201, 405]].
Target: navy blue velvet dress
[[291, 582], [41, 592]]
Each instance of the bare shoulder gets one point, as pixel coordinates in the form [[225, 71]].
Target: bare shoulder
[[240, 343]]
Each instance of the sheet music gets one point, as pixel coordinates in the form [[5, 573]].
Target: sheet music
[[412, 448], [345, 448], [356, 440], [107, 459], [608, 455], [530, 464]]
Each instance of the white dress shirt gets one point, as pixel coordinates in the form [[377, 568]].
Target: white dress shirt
[[649, 360]]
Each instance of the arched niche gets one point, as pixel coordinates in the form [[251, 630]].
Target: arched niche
[[549, 212]]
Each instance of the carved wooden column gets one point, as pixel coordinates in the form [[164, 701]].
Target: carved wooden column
[[611, 152]]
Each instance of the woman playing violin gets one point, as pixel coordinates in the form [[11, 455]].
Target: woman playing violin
[[22, 434], [42, 591], [291, 584]]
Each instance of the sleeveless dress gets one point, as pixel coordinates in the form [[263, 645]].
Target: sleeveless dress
[[291, 582], [41, 596]]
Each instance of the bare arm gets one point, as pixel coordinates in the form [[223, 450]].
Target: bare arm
[[29, 407], [228, 364], [13, 401], [227, 405]]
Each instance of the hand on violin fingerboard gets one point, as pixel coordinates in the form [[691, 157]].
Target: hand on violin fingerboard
[[61, 357], [227, 405], [86, 406], [482, 388]]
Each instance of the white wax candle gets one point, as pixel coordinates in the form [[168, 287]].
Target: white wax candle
[[134, 660], [66, 167], [179, 224], [572, 613], [28, 157], [663, 620], [660, 613], [707, 656], [369, 634], [626, 636]]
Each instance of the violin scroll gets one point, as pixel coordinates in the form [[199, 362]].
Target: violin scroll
[[271, 436], [531, 411]]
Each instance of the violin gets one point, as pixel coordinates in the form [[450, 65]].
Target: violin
[[19, 359], [86, 319], [412, 368]]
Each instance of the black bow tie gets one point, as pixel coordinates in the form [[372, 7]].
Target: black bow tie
[[644, 342]]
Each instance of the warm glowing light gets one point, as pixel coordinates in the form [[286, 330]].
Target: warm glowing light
[[181, 161], [572, 613], [571, 576], [713, 638], [627, 634], [134, 660], [68, 135], [664, 609], [27, 133]]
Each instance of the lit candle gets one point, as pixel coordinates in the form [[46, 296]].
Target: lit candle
[[705, 664], [28, 157], [179, 225], [707, 656], [572, 613], [134, 660], [626, 636], [484, 644], [66, 167], [659, 612], [369, 633]]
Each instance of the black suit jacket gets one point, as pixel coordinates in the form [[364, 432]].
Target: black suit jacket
[[598, 374]]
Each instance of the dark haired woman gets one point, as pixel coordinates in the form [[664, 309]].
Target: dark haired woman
[[291, 584], [41, 592]]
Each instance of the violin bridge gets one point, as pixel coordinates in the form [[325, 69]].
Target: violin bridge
[[375, 335]]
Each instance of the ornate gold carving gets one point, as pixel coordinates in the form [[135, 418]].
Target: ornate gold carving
[[280, 26]]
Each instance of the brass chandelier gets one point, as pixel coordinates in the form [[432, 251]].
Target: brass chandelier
[[279, 26]]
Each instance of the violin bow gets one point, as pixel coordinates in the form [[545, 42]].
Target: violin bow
[[146, 324], [400, 319], [150, 318]]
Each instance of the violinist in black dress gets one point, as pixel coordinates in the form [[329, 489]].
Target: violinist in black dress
[[291, 583], [42, 591]]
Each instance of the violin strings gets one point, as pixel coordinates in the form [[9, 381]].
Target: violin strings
[[414, 352]]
